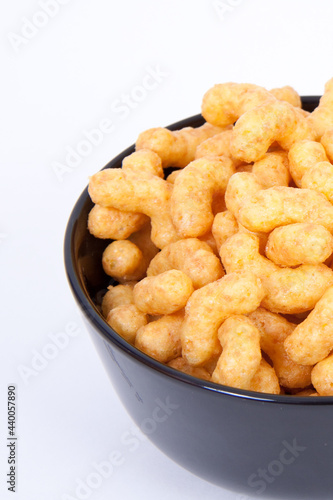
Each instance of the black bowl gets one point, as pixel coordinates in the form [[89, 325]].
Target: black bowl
[[256, 444]]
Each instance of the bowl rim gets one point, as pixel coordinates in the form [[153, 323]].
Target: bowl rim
[[95, 318]]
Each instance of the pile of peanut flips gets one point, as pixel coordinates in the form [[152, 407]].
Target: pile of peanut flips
[[224, 266]]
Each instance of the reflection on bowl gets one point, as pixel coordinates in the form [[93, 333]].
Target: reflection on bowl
[[272, 446]]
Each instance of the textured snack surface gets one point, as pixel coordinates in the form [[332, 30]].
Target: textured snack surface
[[192, 196], [165, 293], [279, 206], [208, 307], [241, 355], [312, 340]]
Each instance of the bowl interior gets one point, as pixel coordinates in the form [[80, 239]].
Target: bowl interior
[[83, 262]]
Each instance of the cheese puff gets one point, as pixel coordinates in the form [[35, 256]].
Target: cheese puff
[[165, 293], [320, 178], [241, 186], [123, 260], [302, 131], [274, 329], [306, 392], [322, 376], [192, 256], [302, 156], [263, 237], [287, 94], [192, 195], [117, 296], [321, 118], [160, 339], [224, 226], [312, 340], [113, 224], [306, 114], [241, 355], [110, 223], [144, 160], [299, 243], [208, 307], [142, 239], [224, 103], [196, 371], [265, 379], [176, 148], [272, 170], [128, 260], [172, 177], [210, 365], [245, 167], [280, 205], [218, 145], [147, 193], [210, 240], [260, 127], [126, 320], [327, 141], [218, 203], [289, 291]]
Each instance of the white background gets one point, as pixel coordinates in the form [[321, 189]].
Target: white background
[[71, 74]]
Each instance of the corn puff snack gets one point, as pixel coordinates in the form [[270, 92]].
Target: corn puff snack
[[223, 262]]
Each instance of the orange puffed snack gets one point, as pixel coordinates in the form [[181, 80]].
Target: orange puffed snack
[[110, 223], [192, 256], [192, 195], [265, 379], [297, 244], [322, 376], [288, 290], [209, 306], [303, 155], [320, 178], [117, 296], [221, 266], [272, 169], [285, 205], [165, 293], [274, 329], [160, 339], [225, 103], [121, 313], [312, 340], [327, 141], [240, 341], [181, 365], [177, 148], [321, 118], [257, 129], [145, 193]]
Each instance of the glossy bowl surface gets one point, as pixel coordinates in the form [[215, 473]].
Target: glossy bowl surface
[[266, 446]]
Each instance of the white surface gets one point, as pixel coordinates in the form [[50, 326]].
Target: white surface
[[68, 78]]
